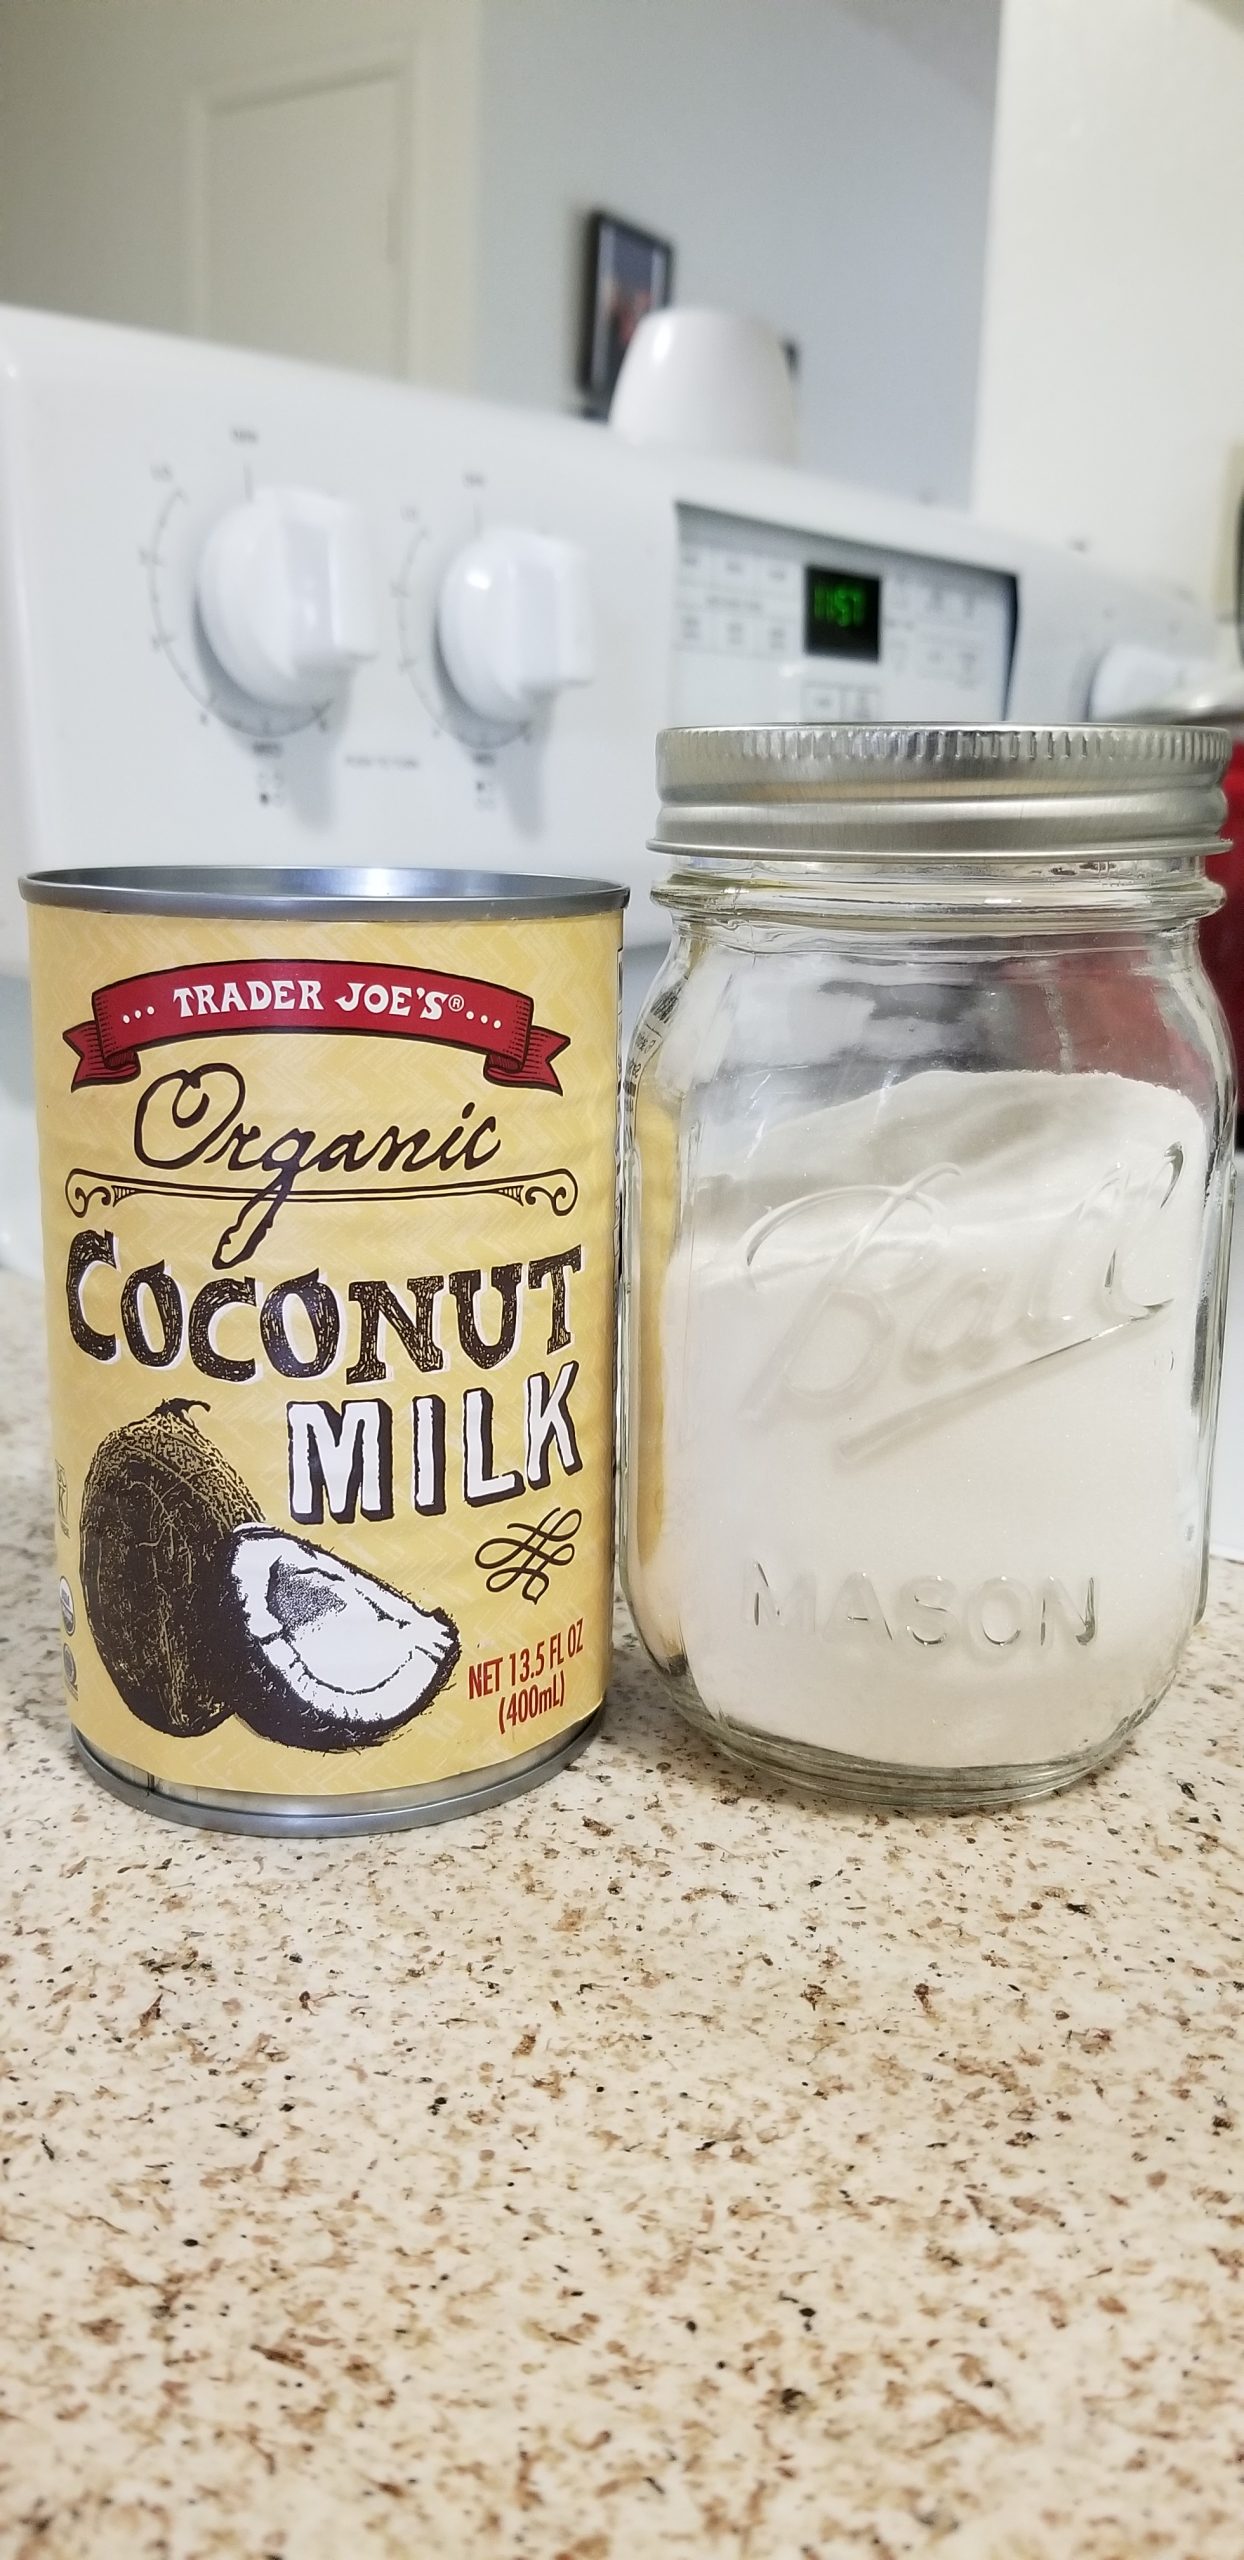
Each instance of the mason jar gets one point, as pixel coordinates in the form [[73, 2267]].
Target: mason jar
[[930, 1122]]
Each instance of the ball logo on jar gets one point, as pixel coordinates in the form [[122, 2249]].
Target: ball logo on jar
[[919, 1313]]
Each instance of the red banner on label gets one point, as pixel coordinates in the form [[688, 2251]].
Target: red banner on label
[[313, 995]]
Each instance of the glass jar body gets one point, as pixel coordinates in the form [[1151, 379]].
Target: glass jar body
[[925, 1268]]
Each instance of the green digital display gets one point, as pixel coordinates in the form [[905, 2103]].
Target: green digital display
[[841, 614]]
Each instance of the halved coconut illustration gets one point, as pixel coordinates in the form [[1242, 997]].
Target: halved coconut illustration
[[200, 1609], [328, 1657]]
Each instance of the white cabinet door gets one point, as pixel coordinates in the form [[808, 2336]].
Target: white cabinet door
[[332, 192], [300, 175], [302, 220]]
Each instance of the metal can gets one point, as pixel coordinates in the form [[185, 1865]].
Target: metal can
[[328, 1163]]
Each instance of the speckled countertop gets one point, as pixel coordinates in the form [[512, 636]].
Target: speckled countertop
[[651, 2166]]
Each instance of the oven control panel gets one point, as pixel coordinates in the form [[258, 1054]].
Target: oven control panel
[[256, 611], [774, 624]]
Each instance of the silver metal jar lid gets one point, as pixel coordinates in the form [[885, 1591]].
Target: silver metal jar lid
[[801, 791], [348, 894]]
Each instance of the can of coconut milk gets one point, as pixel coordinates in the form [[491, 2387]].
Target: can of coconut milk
[[328, 1166]]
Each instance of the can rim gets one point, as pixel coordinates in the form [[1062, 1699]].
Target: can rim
[[342, 893], [338, 1817]]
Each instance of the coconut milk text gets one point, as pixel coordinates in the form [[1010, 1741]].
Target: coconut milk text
[[341, 1456]]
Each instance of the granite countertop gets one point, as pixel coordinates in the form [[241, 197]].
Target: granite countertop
[[658, 2164]]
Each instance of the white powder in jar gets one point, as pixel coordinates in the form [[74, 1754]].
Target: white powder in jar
[[930, 1437]]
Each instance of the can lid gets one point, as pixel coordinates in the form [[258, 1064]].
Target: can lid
[[345, 894], [938, 790]]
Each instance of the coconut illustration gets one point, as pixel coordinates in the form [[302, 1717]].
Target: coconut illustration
[[327, 1658], [160, 1507], [200, 1609]]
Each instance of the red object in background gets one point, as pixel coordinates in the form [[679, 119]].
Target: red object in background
[[1222, 936]]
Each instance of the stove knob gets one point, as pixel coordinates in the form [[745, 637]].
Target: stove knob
[[286, 596], [514, 624]]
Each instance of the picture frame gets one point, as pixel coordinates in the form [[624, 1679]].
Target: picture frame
[[628, 272]]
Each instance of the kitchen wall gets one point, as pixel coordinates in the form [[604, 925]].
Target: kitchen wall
[[822, 162], [1111, 403]]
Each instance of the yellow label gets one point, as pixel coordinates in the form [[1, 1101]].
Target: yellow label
[[329, 1224]]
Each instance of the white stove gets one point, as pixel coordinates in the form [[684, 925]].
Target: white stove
[[251, 611]]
